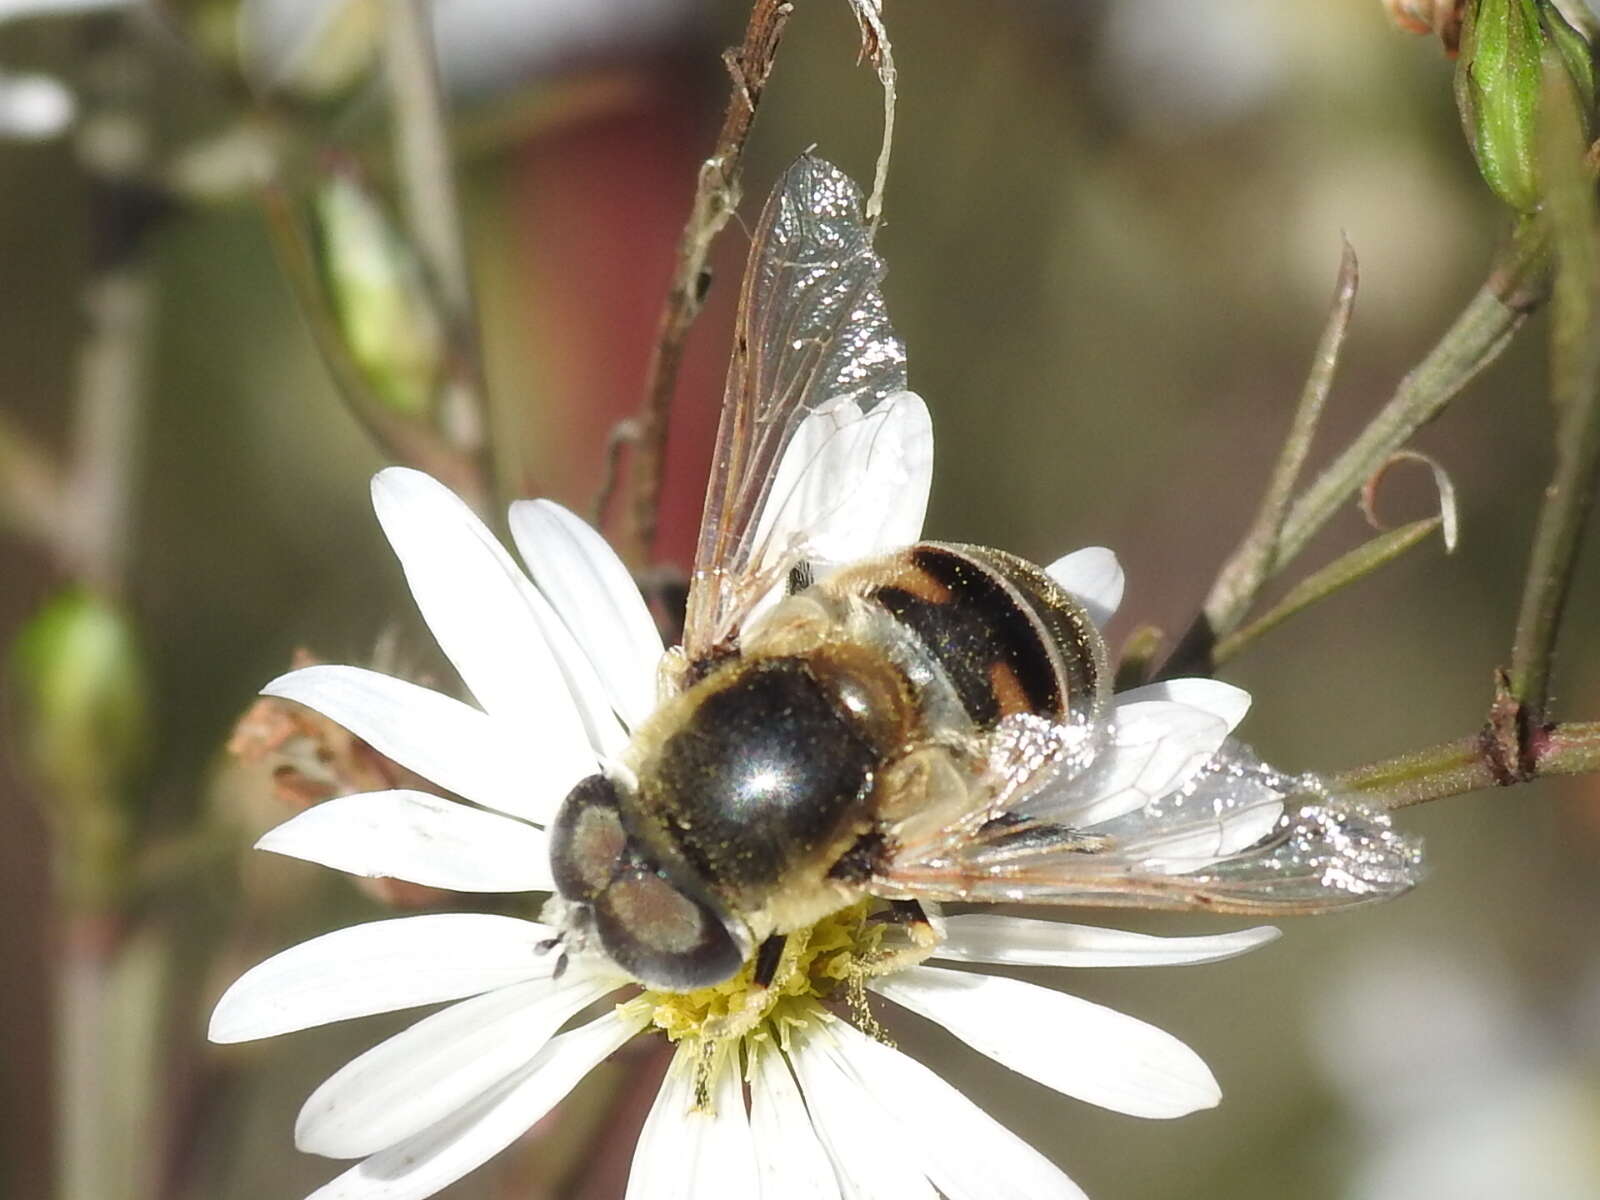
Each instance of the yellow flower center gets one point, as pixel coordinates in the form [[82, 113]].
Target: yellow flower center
[[834, 956]]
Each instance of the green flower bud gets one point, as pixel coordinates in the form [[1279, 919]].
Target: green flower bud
[[84, 721], [80, 678], [375, 285], [1499, 85]]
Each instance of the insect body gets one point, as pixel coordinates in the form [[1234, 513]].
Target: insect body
[[772, 791], [932, 723]]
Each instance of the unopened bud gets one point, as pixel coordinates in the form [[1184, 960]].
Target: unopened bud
[[1499, 85], [375, 285], [81, 681], [84, 721]]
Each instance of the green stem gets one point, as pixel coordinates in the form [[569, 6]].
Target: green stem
[[1575, 390], [1240, 580], [1470, 765], [1478, 336], [1343, 571]]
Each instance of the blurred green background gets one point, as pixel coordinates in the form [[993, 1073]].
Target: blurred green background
[[1113, 227]]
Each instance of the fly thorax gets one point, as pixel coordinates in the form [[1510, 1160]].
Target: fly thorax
[[765, 776]]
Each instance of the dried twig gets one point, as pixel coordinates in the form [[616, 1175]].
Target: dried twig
[[715, 199], [876, 48]]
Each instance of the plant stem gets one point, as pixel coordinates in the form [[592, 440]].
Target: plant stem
[[427, 187], [1575, 390], [106, 427], [1478, 336], [716, 197], [1240, 580], [1472, 764], [1340, 573], [31, 487], [875, 47]]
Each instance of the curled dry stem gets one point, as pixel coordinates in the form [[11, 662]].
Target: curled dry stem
[[875, 47]]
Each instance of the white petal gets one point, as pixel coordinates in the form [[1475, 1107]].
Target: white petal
[[417, 837], [1157, 746], [1066, 1043], [1212, 695], [524, 772], [851, 1124], [688, 1153], [383, 966], [470, 1136], [422, 1074], [1020, 941], [792, 1162], [475, 600], [895, 461], [1095, 577], [851, 485], [596, 598], [594, 702], [967, 1153]]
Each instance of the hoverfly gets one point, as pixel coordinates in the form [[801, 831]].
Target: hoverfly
[[932, 724]]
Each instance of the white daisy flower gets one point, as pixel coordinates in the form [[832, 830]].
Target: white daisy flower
[[782, 1091]]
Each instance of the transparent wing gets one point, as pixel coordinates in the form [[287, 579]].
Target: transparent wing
[[813, 341], [1239, 836]]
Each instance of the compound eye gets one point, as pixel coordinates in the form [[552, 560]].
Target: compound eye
[[664, 938], [587, 841]]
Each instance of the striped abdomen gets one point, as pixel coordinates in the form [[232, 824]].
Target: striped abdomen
[[1004, 634]]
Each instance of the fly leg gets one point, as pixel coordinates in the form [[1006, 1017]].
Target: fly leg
[[768, 957], [911, 935], [910, 916]]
